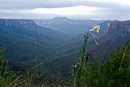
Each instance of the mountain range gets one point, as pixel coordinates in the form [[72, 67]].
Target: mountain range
[[60, 40], [67, 25]]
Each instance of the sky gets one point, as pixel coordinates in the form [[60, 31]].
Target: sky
[[75, 9]]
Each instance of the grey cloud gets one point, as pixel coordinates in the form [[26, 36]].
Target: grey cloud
[[32, 4], [111, 10]]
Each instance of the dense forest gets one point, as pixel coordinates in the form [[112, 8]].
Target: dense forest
[[113, 71]]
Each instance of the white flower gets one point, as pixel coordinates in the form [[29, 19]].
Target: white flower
[[95, 28]]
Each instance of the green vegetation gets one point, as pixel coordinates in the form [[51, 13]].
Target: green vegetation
[[55, 59], [114, 71], [31, 77]]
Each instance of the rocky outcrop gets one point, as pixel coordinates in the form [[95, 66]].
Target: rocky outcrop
[[12, 22], [119, 28], [117, 34]]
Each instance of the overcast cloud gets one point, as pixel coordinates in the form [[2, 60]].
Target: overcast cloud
[[79, 9]]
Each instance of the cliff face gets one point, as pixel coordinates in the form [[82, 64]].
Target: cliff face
[[117, 34], [119, 28], [25, 27], [9, 22]]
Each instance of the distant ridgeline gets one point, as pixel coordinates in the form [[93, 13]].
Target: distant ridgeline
[[68, 25]]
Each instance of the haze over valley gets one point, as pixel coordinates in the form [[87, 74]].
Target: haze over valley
[[76, 43]]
